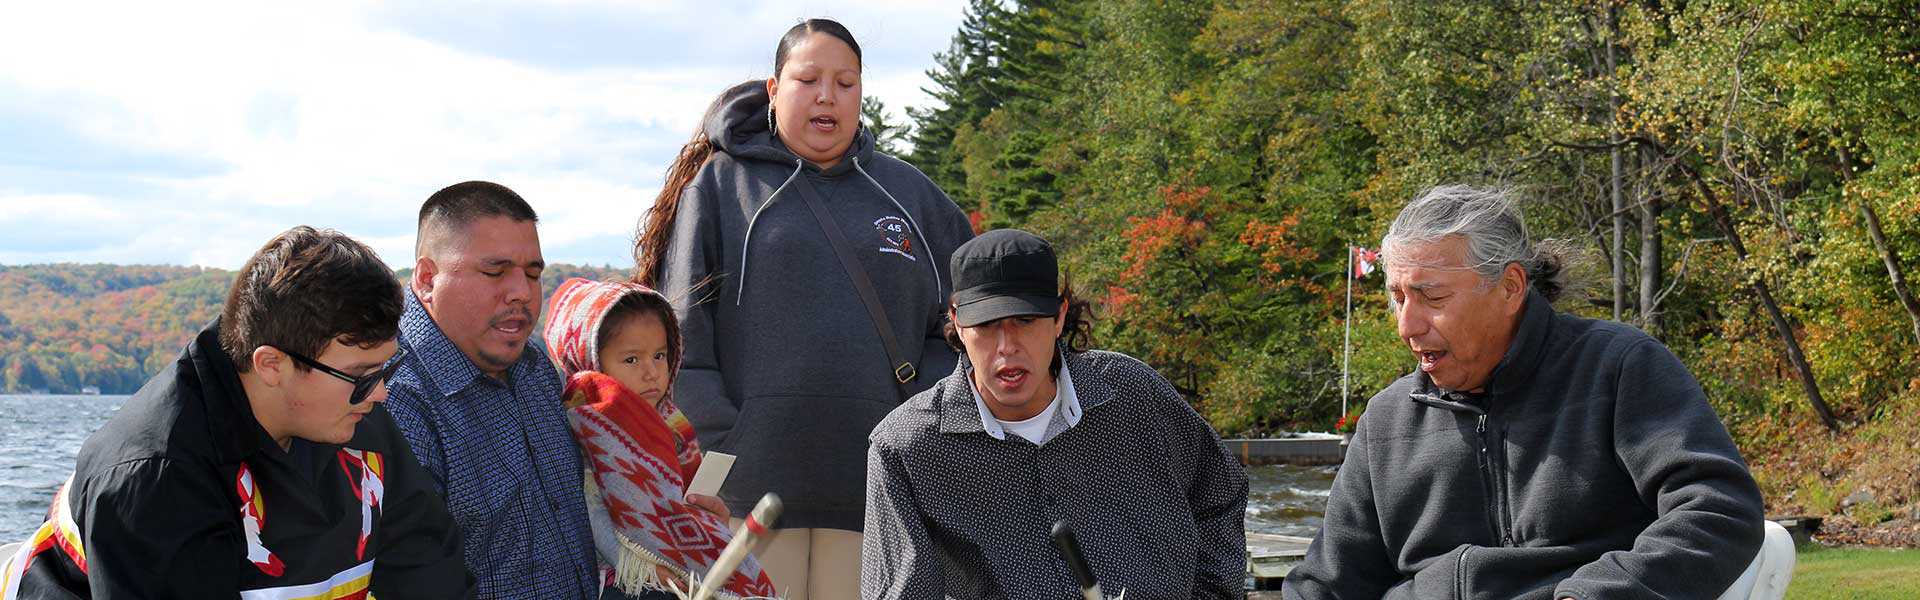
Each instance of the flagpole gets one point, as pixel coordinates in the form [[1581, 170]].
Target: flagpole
[[1346, 354]]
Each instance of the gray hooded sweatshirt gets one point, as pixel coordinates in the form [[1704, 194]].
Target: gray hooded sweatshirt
[[783, 367], [1591, 468]]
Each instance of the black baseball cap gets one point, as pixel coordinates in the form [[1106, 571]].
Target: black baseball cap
[[1004, 273]]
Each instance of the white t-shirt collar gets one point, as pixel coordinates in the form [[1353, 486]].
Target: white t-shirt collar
[[1064, 400]]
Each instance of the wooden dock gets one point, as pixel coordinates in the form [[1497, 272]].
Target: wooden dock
[[1294, 449], [1270, 557]]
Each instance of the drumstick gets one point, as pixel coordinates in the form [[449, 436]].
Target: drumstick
[[751, 530], [1069, 546]]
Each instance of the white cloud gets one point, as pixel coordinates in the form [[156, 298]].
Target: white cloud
[[326, 114]]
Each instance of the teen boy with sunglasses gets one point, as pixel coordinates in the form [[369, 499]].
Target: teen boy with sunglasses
[[260, 464]]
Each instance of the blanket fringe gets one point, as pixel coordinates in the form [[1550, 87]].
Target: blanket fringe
[[634, 572]]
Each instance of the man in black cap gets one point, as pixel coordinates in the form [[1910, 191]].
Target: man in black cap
[[965, 480]]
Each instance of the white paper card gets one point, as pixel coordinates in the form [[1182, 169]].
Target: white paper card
[[713, 472]]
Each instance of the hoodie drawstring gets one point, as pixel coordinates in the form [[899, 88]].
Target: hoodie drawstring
[[799, 166], [747, 244]]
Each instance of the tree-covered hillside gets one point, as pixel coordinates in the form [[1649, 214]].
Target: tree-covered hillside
[[66, 327], [1744, 173]]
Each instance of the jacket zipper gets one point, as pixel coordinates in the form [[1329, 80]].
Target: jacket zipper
[[1491, 465], [1495, 485]]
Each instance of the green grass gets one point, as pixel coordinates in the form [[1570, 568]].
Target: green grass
[[1824, 573]]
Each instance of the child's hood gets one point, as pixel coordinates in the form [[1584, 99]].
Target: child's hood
[[574, 315]]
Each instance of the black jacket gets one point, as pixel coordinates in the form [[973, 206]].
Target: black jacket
[[1593, 467], [154, 507]]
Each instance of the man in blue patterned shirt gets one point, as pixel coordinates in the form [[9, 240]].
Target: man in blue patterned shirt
[[481, 406]]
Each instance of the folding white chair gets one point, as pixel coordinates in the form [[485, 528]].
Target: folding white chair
[[1772, 568]]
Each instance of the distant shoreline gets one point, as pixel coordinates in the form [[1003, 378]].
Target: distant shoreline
[[65, 328]]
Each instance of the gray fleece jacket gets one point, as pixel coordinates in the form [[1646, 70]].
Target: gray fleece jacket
[[1593, 467], [782, 365]]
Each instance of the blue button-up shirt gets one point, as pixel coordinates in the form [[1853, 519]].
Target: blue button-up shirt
[[503, 456]]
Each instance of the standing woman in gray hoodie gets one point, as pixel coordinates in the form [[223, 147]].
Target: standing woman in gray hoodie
[[789, 362]]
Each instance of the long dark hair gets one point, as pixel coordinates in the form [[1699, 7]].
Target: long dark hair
[[657, 225]]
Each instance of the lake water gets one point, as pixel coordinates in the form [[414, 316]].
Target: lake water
[[1287, 500], [39, 436]]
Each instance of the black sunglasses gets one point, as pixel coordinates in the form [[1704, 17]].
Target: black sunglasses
[[362, 386]]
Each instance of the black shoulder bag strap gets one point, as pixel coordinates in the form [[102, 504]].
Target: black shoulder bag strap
[[903, 371]]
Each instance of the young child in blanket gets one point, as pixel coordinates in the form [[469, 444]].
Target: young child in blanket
[[618, 349]]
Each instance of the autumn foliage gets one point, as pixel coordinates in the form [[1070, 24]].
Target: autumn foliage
[[1205, 165], [66, 327]]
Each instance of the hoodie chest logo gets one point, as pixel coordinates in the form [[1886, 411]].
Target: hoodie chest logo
[[895, 236]]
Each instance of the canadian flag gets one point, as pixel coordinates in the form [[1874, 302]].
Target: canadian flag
[[1363, 260]]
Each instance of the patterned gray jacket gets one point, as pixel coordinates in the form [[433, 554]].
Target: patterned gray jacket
[[1157, 503]]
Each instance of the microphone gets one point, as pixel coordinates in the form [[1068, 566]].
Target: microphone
[[1069, 546], [755, 527]]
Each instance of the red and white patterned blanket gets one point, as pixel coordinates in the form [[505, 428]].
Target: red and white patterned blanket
[[635, 462]]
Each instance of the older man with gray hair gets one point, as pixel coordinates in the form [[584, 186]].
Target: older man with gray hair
[[1533, 453]]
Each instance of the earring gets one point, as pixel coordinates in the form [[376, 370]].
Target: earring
[[769, 116]]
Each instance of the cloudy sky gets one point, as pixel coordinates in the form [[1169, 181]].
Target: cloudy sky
[[163, 133]]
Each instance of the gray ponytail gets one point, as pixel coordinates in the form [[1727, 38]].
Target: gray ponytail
[[1496, 233]]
